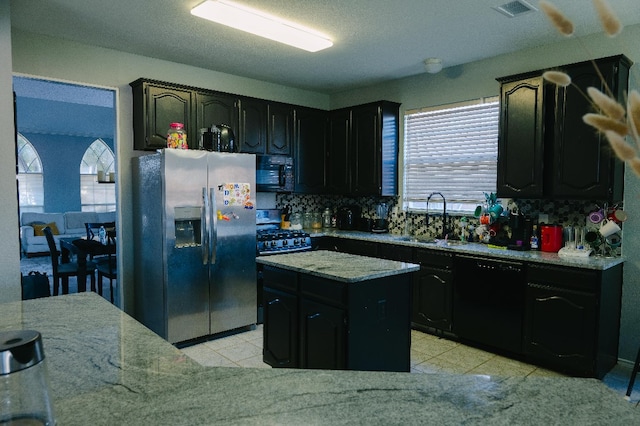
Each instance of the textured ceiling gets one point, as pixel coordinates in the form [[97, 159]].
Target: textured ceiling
[[374, 40]]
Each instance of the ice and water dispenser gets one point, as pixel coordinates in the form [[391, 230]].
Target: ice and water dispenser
[[188, 222]]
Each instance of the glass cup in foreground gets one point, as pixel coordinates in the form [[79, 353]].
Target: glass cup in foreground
[[24, 387]]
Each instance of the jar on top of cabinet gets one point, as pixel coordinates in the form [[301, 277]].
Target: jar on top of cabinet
[[177, 137]]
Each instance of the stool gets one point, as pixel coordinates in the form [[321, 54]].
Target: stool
[[633, 377]]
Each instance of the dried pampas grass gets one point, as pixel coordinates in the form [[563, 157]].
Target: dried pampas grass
[[610, 22], [557, 77], [604, 124], [557, 18], [622, 149], [608, 105]]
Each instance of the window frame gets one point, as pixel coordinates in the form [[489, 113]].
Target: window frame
[[417, 161]]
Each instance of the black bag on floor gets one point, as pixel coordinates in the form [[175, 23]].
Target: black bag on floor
[[35, 285]]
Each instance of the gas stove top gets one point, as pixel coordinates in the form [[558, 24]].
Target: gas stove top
[[278, 241]]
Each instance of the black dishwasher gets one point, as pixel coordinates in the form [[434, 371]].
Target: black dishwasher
[[488, 301]]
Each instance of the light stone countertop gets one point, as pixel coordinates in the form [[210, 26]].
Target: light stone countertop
[[106, 369], [534, 256], [348, 268]]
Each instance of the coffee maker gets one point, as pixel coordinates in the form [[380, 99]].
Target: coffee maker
[[520, 227]]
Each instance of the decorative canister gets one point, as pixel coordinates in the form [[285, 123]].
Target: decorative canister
[[177, 137]]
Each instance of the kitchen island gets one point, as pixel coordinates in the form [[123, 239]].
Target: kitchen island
[[330, 310], [105, 368]]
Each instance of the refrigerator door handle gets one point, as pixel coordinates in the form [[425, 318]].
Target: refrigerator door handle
[[213, 238], [204, 233]]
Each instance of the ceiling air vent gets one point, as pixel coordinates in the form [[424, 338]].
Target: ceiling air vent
[[515, 8]]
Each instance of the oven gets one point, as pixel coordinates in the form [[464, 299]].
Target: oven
[[272, 240]]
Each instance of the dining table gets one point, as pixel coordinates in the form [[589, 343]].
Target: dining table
[[83, 250]]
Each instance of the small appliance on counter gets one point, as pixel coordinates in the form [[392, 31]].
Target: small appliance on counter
[[381, 224], [348, 218], [551, 238]]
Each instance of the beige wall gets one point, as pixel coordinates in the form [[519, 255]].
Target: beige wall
[[57, 59], [10, 252]]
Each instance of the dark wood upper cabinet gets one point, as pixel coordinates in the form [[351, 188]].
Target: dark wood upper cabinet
[[310, 150], [583, 162], [544, 147], [253, 126], [280, 129], [338, 161], [216, 108], [520, 144], [155, 107], [363, 150]]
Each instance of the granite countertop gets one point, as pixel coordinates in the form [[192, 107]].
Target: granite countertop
[[105, 368], [591, 262], [348, 268]]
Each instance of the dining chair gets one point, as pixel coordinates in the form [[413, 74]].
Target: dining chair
[[62, 271], [109, 268]]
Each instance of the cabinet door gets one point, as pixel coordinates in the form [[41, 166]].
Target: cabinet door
[[432, 293], [338, 169], [253, 126], [520, 139], [216, 108], [280, 129], [560, 326], [280, 347], [584, 166], [366, 150], [310, 151], [322, 336], [165, 105]]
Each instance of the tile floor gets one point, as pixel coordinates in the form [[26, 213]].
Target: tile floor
[[429, 354]]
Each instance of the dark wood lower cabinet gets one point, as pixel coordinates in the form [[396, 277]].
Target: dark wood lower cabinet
[[561, 326], [322, 336], [432, 290], [280, 328], [572, 318]]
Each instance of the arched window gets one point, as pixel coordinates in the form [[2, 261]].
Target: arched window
[[30, 182], [98, 161]]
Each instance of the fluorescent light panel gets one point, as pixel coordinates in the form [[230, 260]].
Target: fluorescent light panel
[[261, 24]]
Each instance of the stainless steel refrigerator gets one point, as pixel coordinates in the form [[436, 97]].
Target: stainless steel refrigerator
[[194, 242]]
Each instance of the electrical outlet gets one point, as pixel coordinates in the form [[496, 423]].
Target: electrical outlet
[[543, 218]]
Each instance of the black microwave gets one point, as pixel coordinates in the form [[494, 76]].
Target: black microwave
[[274, 173]]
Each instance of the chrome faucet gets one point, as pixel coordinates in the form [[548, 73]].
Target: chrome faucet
[[444, 212]]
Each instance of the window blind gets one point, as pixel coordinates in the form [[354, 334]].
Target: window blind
[[452, 150]]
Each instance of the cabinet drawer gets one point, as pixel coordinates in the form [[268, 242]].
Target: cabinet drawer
[[395, 252], [322, 289], [434, 258], [579, 279], [280, 278]]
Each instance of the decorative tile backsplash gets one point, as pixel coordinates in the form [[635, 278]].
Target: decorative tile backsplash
[[565, 213]]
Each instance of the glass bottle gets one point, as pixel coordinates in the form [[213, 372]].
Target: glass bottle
[[177, 137], [326, 218]]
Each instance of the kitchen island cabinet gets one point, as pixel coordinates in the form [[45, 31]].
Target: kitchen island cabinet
[[113, 370], [333, 310]]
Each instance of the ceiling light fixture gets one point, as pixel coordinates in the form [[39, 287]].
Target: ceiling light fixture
[[253, 21], [433, 65]]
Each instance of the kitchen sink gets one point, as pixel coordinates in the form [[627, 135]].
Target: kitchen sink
[[430, 240]]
